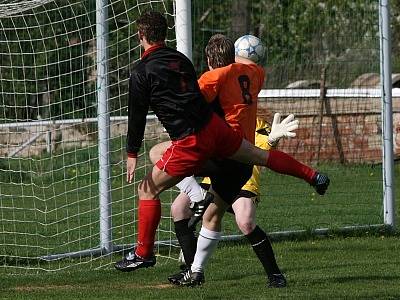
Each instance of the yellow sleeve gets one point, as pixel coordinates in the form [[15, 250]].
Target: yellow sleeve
[[261, 139]]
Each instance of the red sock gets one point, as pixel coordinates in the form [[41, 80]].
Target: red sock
[[283, 163], [149, 217]]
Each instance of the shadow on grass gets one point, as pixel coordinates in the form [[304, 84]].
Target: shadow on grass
[[312, 234], [344, 279]]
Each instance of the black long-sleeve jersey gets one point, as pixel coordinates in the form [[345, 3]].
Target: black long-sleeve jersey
[[165, 81]]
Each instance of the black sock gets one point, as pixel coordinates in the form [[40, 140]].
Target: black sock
[[263, 249], [186, 239]]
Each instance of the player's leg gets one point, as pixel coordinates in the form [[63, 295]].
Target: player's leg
[[183, 230], [188, 186], [245, 216], [245, 212], [282, 163], [225, 186], [150, 207], [181, 213], [243, 151], [149, 215], [209, 236], [182, 158], [206, 243]]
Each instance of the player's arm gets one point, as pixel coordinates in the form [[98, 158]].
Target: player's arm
[[264, 143], [262, 137], [138, 106]]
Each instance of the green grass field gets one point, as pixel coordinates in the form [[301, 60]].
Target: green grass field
[[51, 206], [335, 267]]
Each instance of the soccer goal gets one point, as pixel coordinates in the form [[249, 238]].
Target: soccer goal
[[64, 69]]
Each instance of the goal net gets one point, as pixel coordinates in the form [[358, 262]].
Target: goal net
[[49, 160], [323, 65]]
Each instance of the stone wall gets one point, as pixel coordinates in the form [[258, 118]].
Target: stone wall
[[65, 137], [347, 130]]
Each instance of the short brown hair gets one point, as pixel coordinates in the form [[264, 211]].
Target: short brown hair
[[153, 25], [220, 51]]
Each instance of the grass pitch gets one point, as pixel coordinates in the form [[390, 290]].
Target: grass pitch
[[335, 267]]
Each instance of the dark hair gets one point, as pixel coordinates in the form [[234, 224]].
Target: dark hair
[[153, 25], [220, 51]]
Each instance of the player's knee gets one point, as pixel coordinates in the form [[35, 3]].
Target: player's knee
[[180, 212], [246, 226]]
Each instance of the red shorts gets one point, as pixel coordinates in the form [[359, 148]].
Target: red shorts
[[186, 156]]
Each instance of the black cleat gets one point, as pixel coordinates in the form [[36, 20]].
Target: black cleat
[[132, 262], [191, 279], [276, 281], [199, 209], [175, 278], [320, 183]]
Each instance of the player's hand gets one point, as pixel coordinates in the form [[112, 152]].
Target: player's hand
[[282, 129], [130, 168]]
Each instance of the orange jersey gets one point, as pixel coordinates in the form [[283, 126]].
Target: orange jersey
[[236, 87]]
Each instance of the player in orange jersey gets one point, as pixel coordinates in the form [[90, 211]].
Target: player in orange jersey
[[234, 85]]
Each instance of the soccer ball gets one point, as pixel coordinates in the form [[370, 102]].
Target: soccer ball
[[251, 47]]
